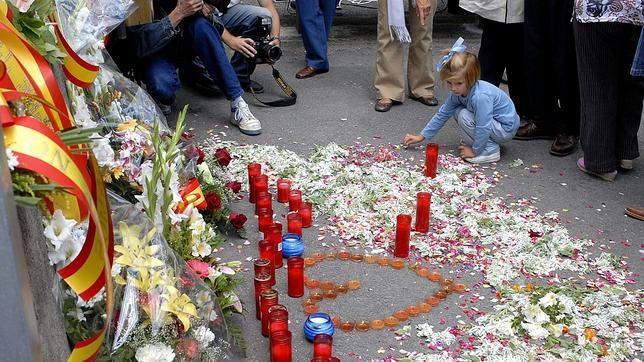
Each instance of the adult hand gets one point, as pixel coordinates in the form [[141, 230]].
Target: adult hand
[[423, 8], [244, 46], [207, 9], [184, 9], [466, 151], [275, 42], [410, 139]]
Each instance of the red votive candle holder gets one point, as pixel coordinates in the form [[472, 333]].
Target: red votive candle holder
[[423, 202], [274, 234], [403, 229], [264, 218], [263, 201], [283, 188], [294, 221], [261, 184], [306, 212], [294, 200], [267, 299], [431, 159], [254, 169], [295, 276], [277, 319], [266, 252], [281, 346], [322, 345], [262, 282]]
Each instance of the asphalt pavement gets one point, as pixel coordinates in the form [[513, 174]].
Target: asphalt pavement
[[338, 107]]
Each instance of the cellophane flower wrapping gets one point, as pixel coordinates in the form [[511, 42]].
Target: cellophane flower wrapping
[[85, 23], [163, 311]]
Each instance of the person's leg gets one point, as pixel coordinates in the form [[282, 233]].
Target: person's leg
[[631, 93], [637, 68], [328, 8], [241, 20], [205, 40], [465, 120], [388, 76], [313, 33], [598, 82], [420, 67], [161, 80], [515, 66], [492, 55]]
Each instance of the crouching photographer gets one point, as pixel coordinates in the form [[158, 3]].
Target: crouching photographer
[[245, 32]]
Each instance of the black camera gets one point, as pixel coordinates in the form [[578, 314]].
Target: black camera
[[266, 52]]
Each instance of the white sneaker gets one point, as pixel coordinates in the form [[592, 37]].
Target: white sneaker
[[494, 157], [242, 118], [626, 164]]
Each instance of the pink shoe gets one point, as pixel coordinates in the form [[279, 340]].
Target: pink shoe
[[606, 176]]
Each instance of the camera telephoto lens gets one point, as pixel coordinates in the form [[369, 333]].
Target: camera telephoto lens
[[274, 54]]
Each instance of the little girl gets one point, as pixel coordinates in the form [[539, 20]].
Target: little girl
[[485, 113]]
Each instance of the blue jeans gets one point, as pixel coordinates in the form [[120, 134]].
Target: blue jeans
[[637, 70], [200, 38], [316, 17], [241, 20], [498, 134]]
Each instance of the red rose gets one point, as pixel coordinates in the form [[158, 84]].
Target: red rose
[[201, 155], [237, 220], [188, 348], [213, 200], [223, 156], [234, 186]]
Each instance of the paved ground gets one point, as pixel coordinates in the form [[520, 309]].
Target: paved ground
[[338, 107]]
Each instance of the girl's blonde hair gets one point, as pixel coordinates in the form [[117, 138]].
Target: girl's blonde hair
[[463, 65]]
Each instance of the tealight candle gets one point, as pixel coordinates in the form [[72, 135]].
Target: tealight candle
[[391, 321], [294, 200], [330, 294], [357, 258], [431, 159], [312, 283], [294, 221], [310, 309], [341, 288], [401, 315], [424, 307], [316, 296], [281, 347], [433, 301], [459, 288], [331, 256], [306, 212], [422, 272], [309, 261], [353, 284], [362, 326], [327, 285], [371, 259], [434, 276], [283, 188], [344, 255], [295, 276], [377, 324], [254, 169], [403, 230], [318, 323], [422, 211], [336, 320], [441, 294], [322, 345], [384, 261], [347, 326], [397, 264], [412, 310], [317, 256]]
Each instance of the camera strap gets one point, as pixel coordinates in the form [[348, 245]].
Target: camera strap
[[291, 96]]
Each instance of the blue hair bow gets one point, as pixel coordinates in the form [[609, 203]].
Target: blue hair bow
[[458, 47]]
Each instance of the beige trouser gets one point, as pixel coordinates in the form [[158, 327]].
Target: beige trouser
[[389, 79]]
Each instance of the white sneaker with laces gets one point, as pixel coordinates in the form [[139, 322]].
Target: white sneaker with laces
[[483, 158], [241, 117]]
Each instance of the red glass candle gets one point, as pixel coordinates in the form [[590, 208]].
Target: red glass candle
[[403, 229], [277, 319], [266, 251], [262, 282], [294, 223], [281, 346], [431, 159], [263, 201], [423, 202], [274, 234], [320, 359], [261, 184], [322, 345], [295, 276], [283, 188], [263, 220], [306, 212], [254, 169], [294, 200], [267, 299], [262, 266]]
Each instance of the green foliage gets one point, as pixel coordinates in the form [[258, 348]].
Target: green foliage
[[32, 25], [238, 338], [26, 189], [181, 242]]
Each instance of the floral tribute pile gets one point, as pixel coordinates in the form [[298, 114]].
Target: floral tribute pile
[[362, 188], [125, 197]]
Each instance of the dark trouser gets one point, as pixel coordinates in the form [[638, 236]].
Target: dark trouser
[[502, 48], [611, 99], [550, 65]]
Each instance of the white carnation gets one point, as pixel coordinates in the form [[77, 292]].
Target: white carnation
[[536, 331], [12, 160], [204, 336], [548, 299], [157, 352]]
